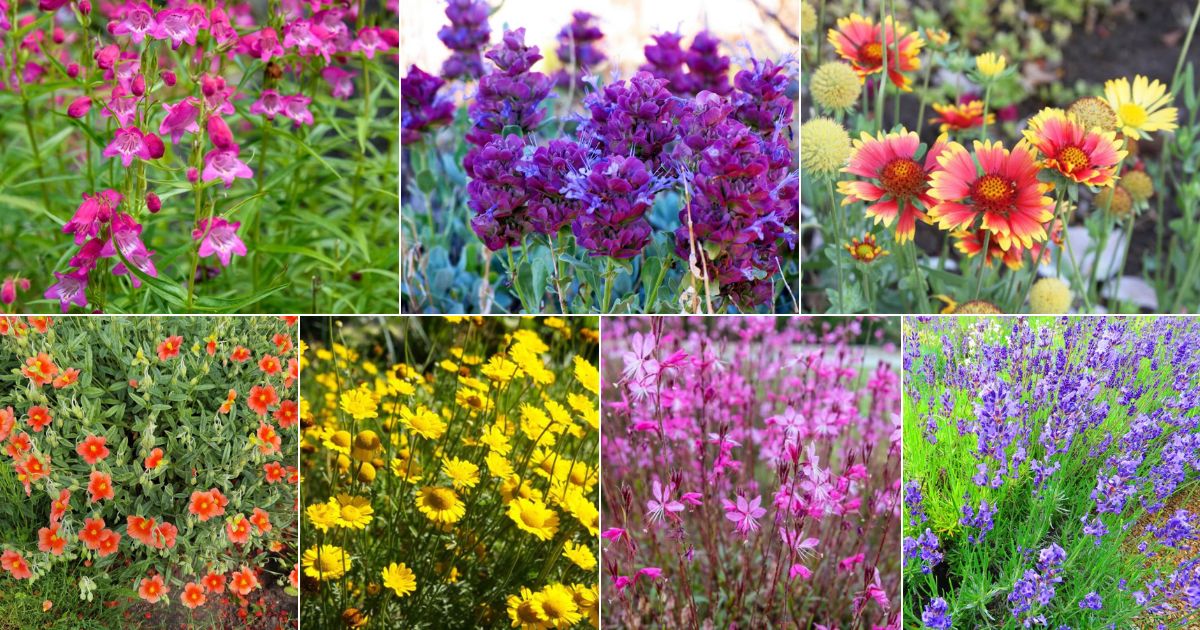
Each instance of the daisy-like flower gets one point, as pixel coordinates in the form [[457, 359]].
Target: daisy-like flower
[[990, 64], [423, 422], [327, 562], [865, 250], [440, 505], [462, 474], [744, 513], [1087, 156], [960, 116], [353, 512], [400, 579], [897, 183], [858, 39], [970, 243], [219, 236], [580, 555], [531, 515], [525, 611], [1142, 107], [1003, 189], [558, 607]]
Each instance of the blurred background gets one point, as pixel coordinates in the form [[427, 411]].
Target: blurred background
[[770, 27]]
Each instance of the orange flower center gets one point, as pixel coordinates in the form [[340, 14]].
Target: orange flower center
[[1072, 158], [872, 54], [902, 177], [993, 193]]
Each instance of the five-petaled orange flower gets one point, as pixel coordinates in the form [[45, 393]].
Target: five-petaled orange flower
[[141, 529], [15, 564], [39, 417], [193, 595], [244, 581], [169, 347], [268, 439], [270, 365], [49, 540], [92, 532], [109, 541], [206, 505], [40, 369], [214, 582], [240, 354], [261, 520], [93, 449], [152, 589], [59, 506], [273, 472], [261, 397], [283, 343], [239, 530], [286, 414], [100, 487], [154, 459], [68, 377]]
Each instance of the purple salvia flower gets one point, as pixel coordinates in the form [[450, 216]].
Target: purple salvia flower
[[577, 45], [511, 96], [615, 193], [466, 35], [707, 69], [421, 109], [665, 59]]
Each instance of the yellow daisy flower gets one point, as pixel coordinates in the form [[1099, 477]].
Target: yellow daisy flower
[[423, 422], [359, 403], [587, 375], [327, 562], [525, 611], [1142, 108], [990, 64], [462, 474], [531, 515], [440, 505], [400, 579], [580, 555], [587, 598], [498, 465], [354, 512], [322, 516], [558, 606], [338, 441]]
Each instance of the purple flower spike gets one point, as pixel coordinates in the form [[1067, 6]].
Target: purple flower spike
[[616, 193], [497, 192], [421, 109], [708, 70], [665, 59], [577, 46], [512, 96], [466, 35]]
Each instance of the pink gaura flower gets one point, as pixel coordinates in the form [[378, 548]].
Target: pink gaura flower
[[662, 505], [613, 533], [296, 108], [128, 142], [136, 21], [71, 288], [269, 104], [693, 499], [95, 211], [849, 563], [219, 237], [223, 164], [179, 25], [799, 570], [341, 82], [873, 591], [744, 513], [180, 119], [652, 573]]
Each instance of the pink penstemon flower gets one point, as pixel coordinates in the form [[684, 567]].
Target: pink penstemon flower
[[129, 143], [219, 236], [225, 165], [136, 19], [180, 119]]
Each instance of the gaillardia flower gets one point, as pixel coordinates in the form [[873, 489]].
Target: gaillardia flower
[[1142, 108], [960, 116], [898, 183], [1003, 188], [1087, 156], [858, 40]]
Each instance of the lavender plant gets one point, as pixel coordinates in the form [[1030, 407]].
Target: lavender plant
[[1050, 473], [751, 473], [672, 188]]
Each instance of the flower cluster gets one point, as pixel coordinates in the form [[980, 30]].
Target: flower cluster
[[475, 452], [466, 34], [715, 467], [114, 501], [577, 49]]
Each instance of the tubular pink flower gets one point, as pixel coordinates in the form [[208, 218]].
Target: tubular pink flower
[[341, 82], [136, 21], [224, 164], [296, 108], [95, 211], [369, 42], [181, 118], [128, 143], [71, 288], [269, 104], [219, 237], [179, 25]]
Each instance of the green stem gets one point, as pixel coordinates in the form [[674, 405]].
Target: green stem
[[924, 94], [922, 294], [608, 281], [512, 276], [983, 262], [1078, 276], [837, 238], [880, 97], [1127, 231], [987, 98]]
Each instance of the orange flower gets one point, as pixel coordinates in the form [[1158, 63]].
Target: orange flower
[[294, 577], [206, 505], [169, 347], [31, 470], [69, 377], [109, 542], [895, 183], [858, 40], [49, 540], [100, 487], [866, 250], [293, 372], [228, 404], [268, 439], [193, 595], [286, 415], [1087, 156], [290, 319], [240, 354], [140, 529], [18, 445], [269, 365], [273, 472], [283, 343], [59, 506], [261, 520], [242, 582], [152, 589], [92, 532], [15, 564], [39, 417], [214, 582], [154, 459], [7, 419], [238, 531], [164, 536], [959, 117], [262, 397], [40, 369], [211, 347], [93, 449], [40, 323]]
